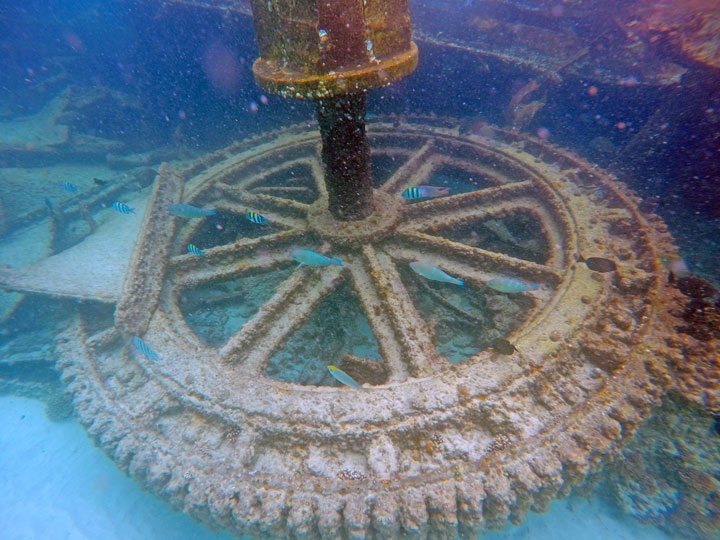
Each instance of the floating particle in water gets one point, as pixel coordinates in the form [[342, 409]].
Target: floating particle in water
[[621, 125], [264, 99], [543, 133], [592, 91], [630, 81], [221, 67], [74, 42], [218, 227], [253, 107], [182, 115], [675, 265]]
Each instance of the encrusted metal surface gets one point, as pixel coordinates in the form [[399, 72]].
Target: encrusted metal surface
[[430, 449], [314, 49]]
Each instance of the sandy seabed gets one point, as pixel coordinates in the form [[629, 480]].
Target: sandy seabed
[[57, 485]]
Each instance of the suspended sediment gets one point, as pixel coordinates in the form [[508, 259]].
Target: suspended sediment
[[427, 448]]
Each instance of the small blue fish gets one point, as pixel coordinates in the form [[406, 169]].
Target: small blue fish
[[509, 286], [256, 218], [343, 377], [192, 248], [122, 208], [189, 211], [67, 186], [311, 258], [427, 270], [422, 192], [141, 346]]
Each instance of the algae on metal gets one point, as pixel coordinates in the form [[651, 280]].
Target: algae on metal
[[427, 447]]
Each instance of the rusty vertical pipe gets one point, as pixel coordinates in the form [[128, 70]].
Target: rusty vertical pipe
[[332, 53], [346, 155]]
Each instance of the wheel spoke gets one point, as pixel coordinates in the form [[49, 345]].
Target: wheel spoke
[[293, 302], [318, 175], [412, 337], [471, 264], [473, 208], [378, 316], [415, 170], [480, 201], [285, 209], [223, 262]]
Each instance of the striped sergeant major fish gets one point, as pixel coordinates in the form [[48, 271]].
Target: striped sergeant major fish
[[70, 188], [143, 347], [192, 248], [122, 208], [427, 270], [256, 218], [423, 192], [311, 258], [343, 377], [509, 285], [189, 211]]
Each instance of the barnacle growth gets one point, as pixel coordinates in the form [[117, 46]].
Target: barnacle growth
[[429, 447], [668, 474]]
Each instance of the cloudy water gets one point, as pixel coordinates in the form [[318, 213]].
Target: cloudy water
[[360, 269]]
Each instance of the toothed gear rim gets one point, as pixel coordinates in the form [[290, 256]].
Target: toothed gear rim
[[439, 449]]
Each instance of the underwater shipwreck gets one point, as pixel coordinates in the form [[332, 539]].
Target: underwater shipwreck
[[473, 405]]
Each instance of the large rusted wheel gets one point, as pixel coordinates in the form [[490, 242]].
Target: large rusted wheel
[[238, 422]]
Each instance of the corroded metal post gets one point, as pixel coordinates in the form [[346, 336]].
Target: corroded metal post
[[333, 52], [346, 155]]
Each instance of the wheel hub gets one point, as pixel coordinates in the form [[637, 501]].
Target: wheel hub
[[374, 228]]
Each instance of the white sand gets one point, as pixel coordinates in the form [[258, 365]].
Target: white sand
[[57, 485]]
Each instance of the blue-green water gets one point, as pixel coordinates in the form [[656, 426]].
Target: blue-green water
[[97, 93]]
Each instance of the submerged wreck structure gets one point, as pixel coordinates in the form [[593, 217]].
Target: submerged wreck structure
[[236, 422]]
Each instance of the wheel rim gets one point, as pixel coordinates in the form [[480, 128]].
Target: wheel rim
[[432, 446]]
